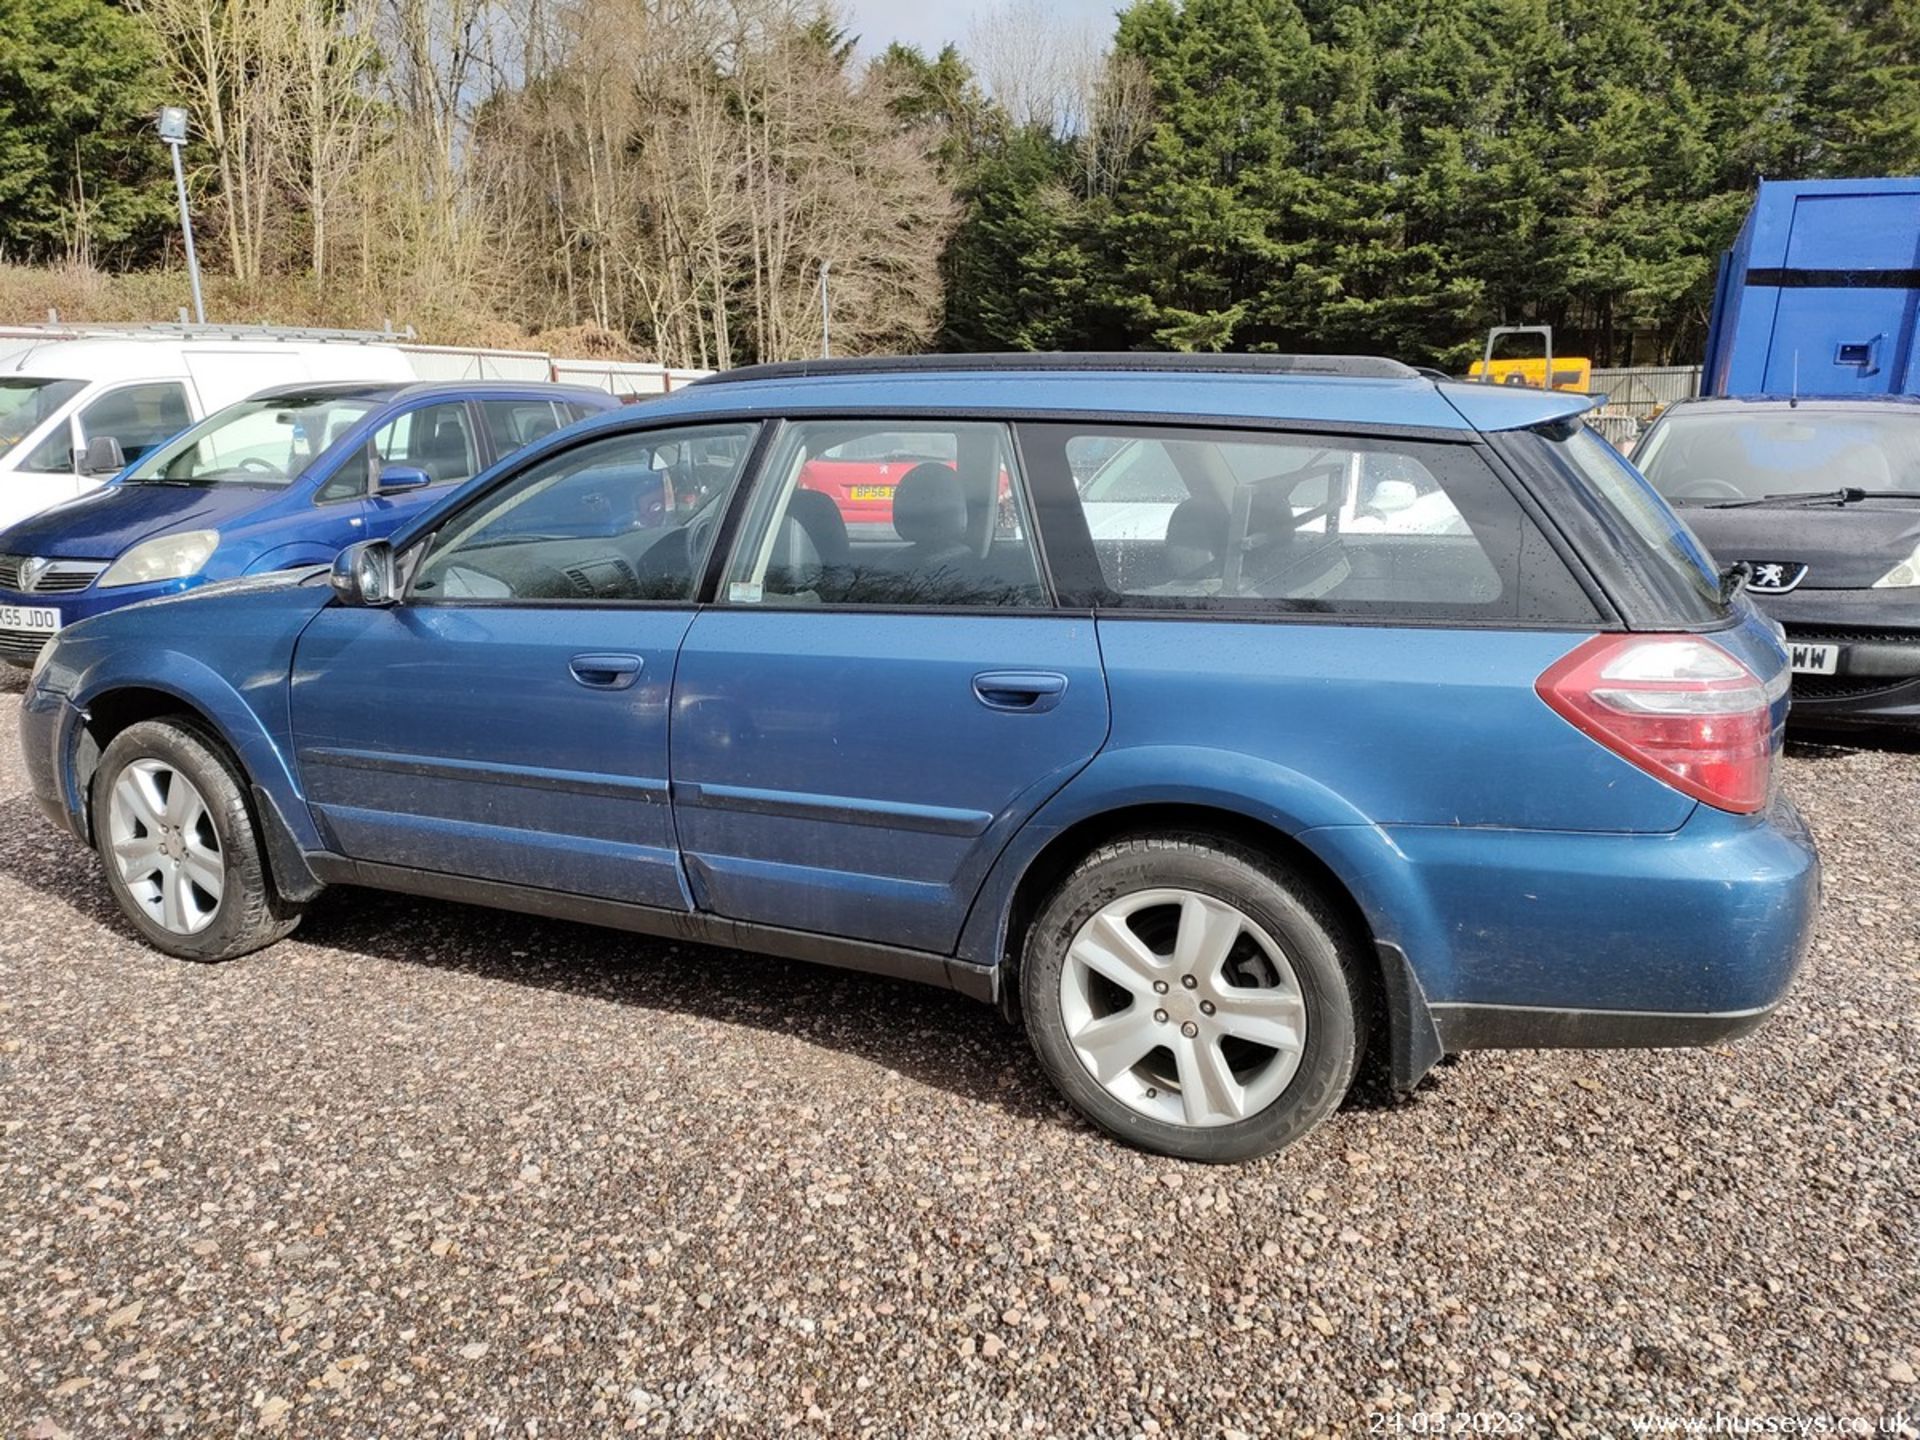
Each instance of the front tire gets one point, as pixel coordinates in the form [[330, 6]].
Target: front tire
[[182, 856], [1194, 998]]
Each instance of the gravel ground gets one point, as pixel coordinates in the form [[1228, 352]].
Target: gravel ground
[[434, 1171]]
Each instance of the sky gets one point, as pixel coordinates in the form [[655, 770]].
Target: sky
[[931, 24]]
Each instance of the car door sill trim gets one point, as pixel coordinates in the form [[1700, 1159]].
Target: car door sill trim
[[978, 982], [532, 777]]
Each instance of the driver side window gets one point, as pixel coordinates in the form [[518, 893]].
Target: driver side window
[[621, 518]]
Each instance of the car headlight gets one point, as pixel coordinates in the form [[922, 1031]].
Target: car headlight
[[1906, 573], [165, 557]]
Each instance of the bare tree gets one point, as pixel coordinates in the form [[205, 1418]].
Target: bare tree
[[1042, 67], [1119, 119], [230, 60], [675, 171], [330, 115]]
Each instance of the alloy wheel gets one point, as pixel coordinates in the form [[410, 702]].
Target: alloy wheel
[[1183, 1008], [165, 846]]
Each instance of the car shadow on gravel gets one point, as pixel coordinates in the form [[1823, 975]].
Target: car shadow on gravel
[[935, 1037], [929, 1035], [940, 1039]]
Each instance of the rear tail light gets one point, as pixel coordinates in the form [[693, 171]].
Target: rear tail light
[[1680, 708]]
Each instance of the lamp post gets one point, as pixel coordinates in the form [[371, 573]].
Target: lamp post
[[826, 312], [173, 134]]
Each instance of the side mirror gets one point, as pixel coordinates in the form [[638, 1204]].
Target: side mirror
[[363, 574], [392, 479], [1390, 496], [103, 456]]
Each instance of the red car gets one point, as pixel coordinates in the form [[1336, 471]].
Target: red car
[[861, 475]]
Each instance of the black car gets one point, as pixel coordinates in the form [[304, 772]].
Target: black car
[[1821, 499]]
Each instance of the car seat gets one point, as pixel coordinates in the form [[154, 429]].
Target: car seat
[[811, 553], [447, 454], [930, 514], [531, 423], [1195, 549], [1277, 559]]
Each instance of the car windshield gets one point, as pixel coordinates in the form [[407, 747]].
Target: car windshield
[[25, 401], [1721, 455], [257, 442]]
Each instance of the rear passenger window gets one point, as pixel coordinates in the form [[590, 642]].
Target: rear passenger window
[[515, 424], [1229, 520], [870, 513]]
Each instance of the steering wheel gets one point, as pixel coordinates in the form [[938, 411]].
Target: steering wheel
[[255, 463], [1709, 488]]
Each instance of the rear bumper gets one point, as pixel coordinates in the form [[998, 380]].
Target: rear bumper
[[1522, 1027], [1548, 939]]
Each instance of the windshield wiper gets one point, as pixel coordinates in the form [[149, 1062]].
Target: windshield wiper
[[1846, 496]]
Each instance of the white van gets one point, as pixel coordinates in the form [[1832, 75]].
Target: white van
[[73, 412]]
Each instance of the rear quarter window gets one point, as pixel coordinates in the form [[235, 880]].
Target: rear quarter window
[[1641, 551], [1172, 518]]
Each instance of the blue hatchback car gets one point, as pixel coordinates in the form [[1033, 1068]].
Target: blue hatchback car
[[1382, 711], [288, 477]]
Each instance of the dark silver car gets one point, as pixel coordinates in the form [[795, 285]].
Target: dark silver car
[[1821, 498]]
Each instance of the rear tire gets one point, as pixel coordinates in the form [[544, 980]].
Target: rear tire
[[1194, 998], [178, 843]]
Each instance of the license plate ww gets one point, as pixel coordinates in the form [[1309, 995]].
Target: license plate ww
[[1813, 659]]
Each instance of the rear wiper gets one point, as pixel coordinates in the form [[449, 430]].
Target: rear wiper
[[1845, 496]]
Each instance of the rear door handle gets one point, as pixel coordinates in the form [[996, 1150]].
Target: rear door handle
[[606, 672], [1025, 691]]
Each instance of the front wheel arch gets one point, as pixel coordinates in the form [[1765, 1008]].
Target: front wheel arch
[[114, 711], [108, 714]]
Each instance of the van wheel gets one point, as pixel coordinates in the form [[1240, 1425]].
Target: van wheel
[[171, 823], [1194, 998]]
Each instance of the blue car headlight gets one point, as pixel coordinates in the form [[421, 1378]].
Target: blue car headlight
[[165, 557]]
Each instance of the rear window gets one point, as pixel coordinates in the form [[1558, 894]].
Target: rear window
[[1638, 530]]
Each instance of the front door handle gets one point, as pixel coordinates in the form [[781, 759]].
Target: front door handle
[[1025, 691], [606, 672]]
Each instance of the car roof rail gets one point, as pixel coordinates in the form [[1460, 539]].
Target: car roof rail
[[1352, 367]]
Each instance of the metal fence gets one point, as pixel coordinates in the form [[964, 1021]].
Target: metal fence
[[1641, 389], [429, 362], [1635, 394]]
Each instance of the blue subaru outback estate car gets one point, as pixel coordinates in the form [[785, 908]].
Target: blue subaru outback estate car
[[1392, 713], [290, 476]]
